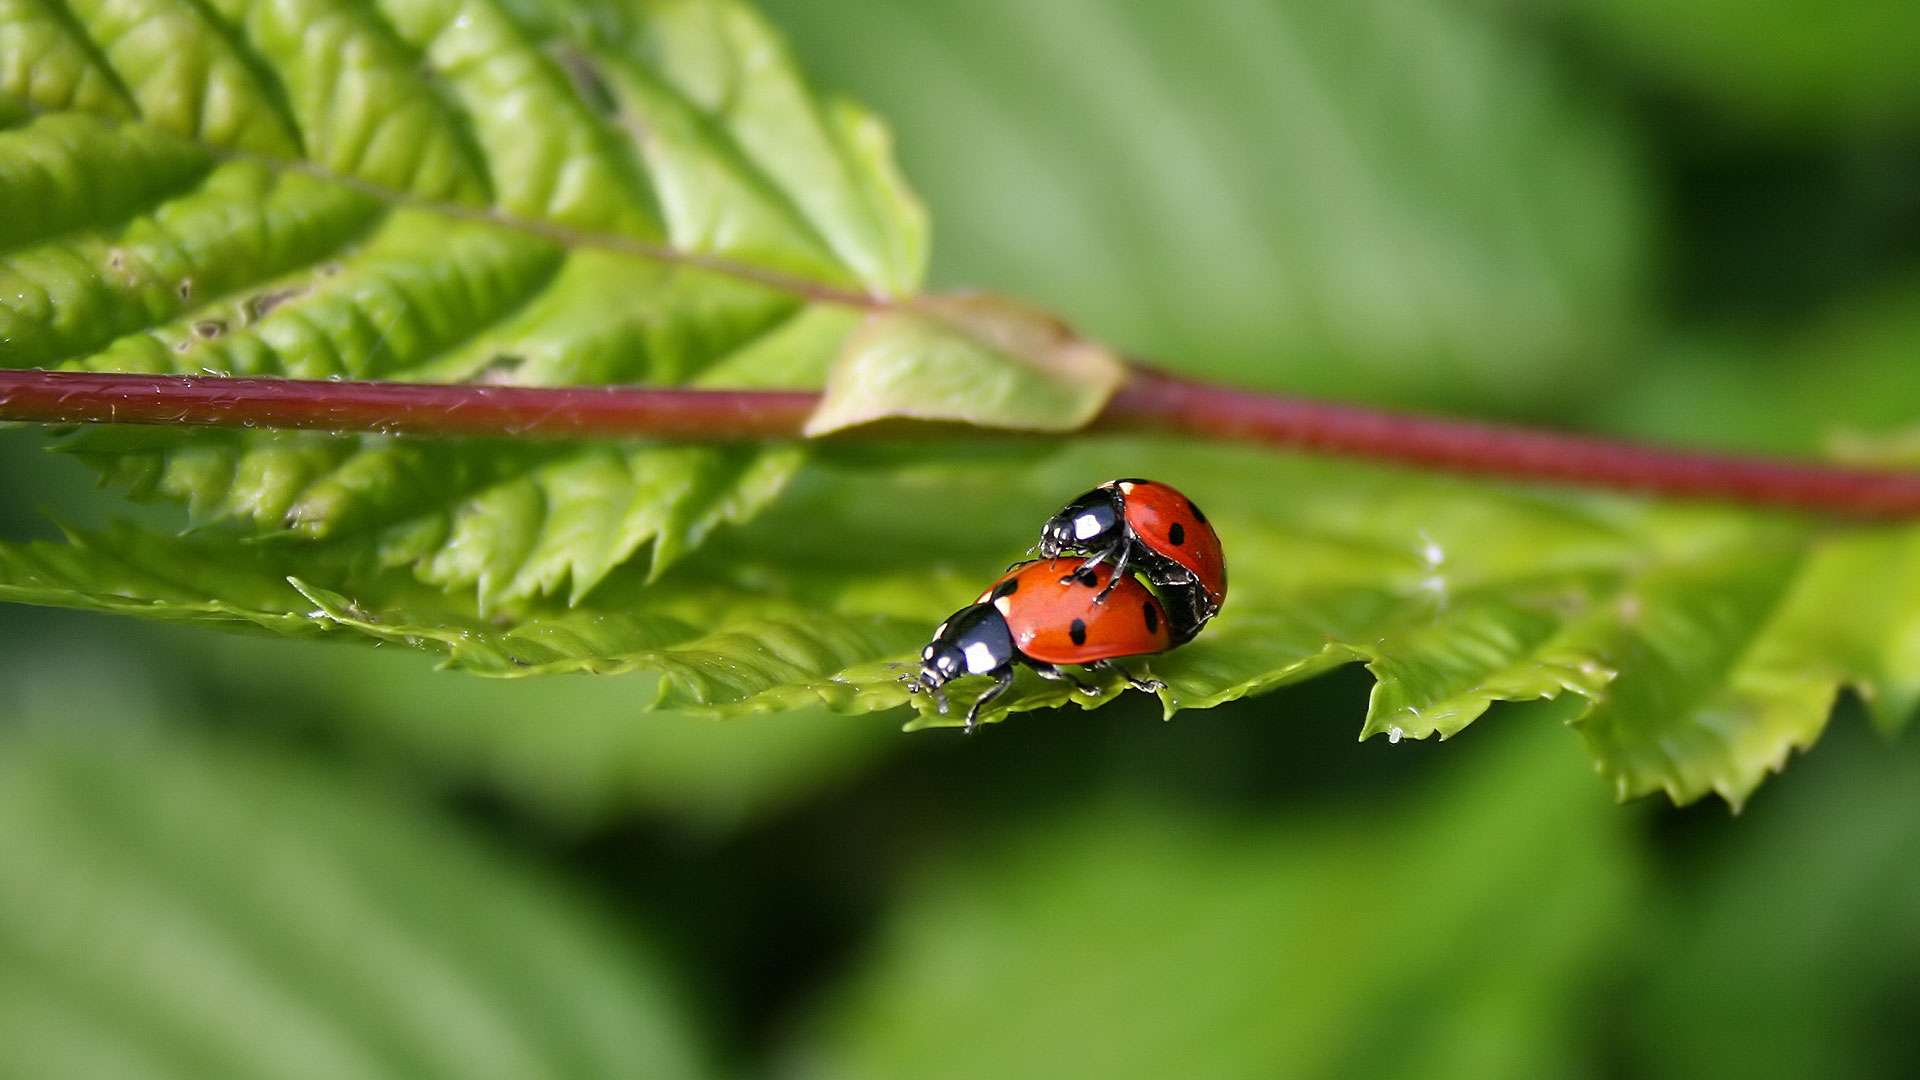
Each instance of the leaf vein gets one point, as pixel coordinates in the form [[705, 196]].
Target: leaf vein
[[263, 72], [62, 12]]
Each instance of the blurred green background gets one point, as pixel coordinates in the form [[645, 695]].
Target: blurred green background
[[1697, 221]]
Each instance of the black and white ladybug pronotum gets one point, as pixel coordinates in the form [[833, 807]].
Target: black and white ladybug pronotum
[[1043, 614], [1154, 527]]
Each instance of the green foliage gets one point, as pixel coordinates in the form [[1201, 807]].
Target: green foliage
[[175, 910], [1785, 61], [1844, 382], [1398, 200], [256, 853], [1749, 939], [1196, 936], [1483, 916], [570, 751]]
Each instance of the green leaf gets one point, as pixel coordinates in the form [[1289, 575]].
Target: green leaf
[[714, 642], [1850, 619], [1707, 644], [439, 192], [173, 910], [133, 572], [1150, 941]]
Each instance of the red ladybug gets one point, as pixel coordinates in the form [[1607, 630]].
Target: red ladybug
[[1043, 614], [1152, 525]]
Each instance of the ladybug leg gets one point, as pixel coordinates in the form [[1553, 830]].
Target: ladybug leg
[[1148, 685], [1094, 560], [1049, 671], [1119, 571], [1000, 683]]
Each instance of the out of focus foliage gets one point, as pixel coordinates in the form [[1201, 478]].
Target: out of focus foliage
[[1693, 221]]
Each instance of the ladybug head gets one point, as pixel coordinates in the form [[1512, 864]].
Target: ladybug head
[[975, 641], [1088, 523], [941, 662]]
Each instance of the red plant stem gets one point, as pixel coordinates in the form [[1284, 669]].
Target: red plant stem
[[1155, 401], [60, 397], [1152, 401]]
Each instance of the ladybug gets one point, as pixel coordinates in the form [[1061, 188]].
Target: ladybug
[[1153, 525], [1043, 614]]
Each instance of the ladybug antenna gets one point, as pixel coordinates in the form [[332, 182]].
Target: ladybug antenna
[[920, 684]]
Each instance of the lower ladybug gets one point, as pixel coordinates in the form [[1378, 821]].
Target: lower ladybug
[[1043, 614], [1151, 525]]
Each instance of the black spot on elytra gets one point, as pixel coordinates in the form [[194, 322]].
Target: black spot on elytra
[[1153, 617], [1197, 515], [1006, 588], [1078, 632], [1087, 577], [1177, 535]]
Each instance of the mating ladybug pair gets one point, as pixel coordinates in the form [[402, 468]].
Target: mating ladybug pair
[[1078, 604]]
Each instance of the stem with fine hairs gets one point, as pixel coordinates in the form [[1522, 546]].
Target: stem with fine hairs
[[1151, 401]]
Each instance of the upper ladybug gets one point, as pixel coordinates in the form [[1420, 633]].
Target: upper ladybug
[[1151, 524]]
